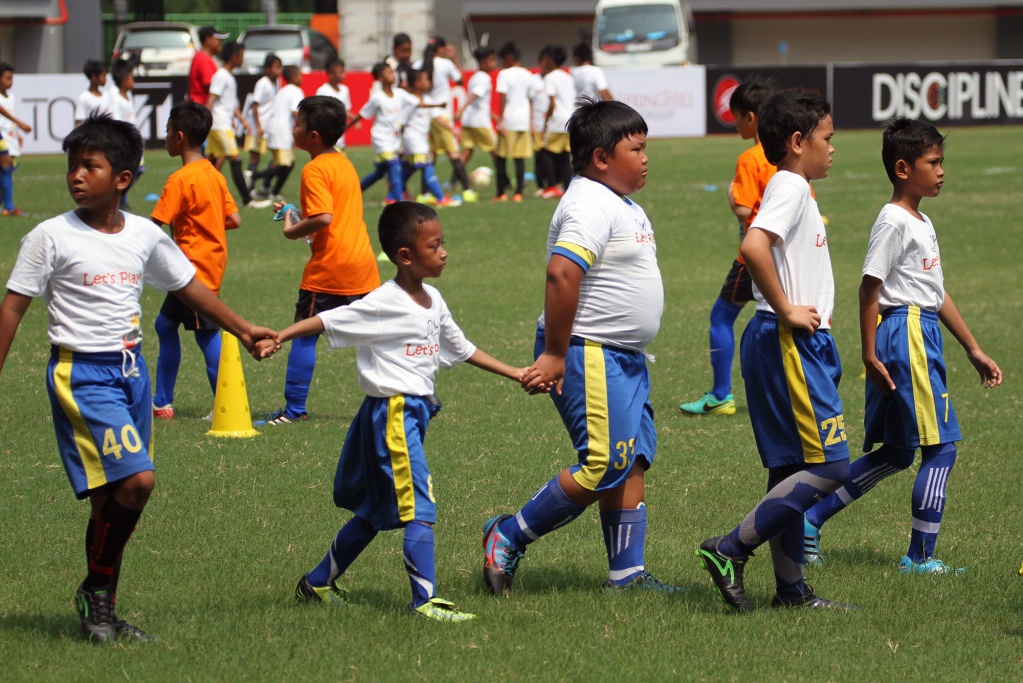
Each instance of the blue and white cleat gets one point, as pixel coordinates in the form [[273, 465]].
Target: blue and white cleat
[[931, 565], [811, 545]]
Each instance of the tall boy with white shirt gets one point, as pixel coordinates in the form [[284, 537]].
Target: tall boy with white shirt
[[515, 88], [560, 89]]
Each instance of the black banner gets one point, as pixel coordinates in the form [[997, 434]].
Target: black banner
[[721, 81], [163, 93]]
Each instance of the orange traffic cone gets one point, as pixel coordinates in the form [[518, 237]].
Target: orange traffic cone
[[231, 406]]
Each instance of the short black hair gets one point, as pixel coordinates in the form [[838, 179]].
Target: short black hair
[[907, 139], [749, 96], [119, 141], [400, 39], [510, 49], [325, 115], [5, 67], [229, 49], [332, 62], [600, 124], [583, 52], [290, 73], [378, 69], [93, 68], [482, 53], [120, 70], [555, 52], [785, 113], [270, 60], [399, 224], [192, 119], [412, 75]]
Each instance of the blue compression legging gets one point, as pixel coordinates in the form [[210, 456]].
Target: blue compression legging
[[168, 361]]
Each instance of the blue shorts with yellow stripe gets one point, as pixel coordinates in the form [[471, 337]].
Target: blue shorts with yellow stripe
[[382, 474], [919, 412], [605, 405], [102, 415], [791, 380]]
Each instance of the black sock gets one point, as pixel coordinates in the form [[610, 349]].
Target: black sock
[[520, 175], [239, 180], [564, 166], [544, 166], [458, 168], [113, 527], [282, 176], [502, 174]]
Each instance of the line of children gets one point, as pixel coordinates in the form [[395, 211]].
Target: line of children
[[342, 267], [752, 173], [11, 129], [336, 88], [197, 205], [96, 376], [260, 113], [515, 88], [908, 403], [553, 160]]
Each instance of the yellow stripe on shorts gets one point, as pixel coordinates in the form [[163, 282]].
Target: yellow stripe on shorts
[[598, 429], [401, 467], [923, 394], [799, 396], [95, 476]]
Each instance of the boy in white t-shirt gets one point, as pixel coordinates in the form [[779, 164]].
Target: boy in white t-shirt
[[404, 333], [515, 88], [476, 115], [560, 90], [790, 363], [415, 140], [223, 103], [11, 129], [336, 88], [279, 139], [590, 80], [907, 397], [89, 266], [260, 109], [119, 104], [91, 98]]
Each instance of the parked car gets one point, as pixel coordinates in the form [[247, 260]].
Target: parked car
[[298, 45], [160, 48]]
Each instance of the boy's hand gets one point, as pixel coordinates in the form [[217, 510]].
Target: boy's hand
[[256, 334], [878, 374], [264, 348], [24, 127], [801, 318], [548, 372], [520, 377], [990, 373]]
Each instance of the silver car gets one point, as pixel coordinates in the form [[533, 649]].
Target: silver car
[[158, 48], [297, 45]]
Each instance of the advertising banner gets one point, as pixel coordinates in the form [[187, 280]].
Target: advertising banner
[[722, 81], [671, 99]]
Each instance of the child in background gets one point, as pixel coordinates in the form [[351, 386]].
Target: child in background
[[601, 255], [560, 90], [119, 104], [197, 205], [590, 80], [336, 88], [96, 377], [908, 403], [260, 113], [415, 135], [752, 173], [790, 363], [91, 98], [11, 129], [342, 267], [539, 103], [515, 89], [389, 107], [382, 476], [279, 139], [476, 115]]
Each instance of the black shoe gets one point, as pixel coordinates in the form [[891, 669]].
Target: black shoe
[[726, 573], [808, 599], [126, 631], [96, 611]]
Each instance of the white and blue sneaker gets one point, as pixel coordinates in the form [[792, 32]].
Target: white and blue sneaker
[[811, 545], [931, 565]]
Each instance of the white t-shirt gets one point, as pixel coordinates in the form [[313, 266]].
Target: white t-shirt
[[444, 71], [516, 84], [559, 85], [120, 108], [225, 87], [477, 114], [589, 81], [388, 114], [7, 127], [87, 103], [539, 102], [282, 112], [91, 281], [621, 296], [801, 257], [262, 100], [401, 344], [343, 95], [415, 131], [903, 254]]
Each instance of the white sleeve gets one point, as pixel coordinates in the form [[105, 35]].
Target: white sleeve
[[782, 204], [218, 83], [599, 78], [502, 83], [884, 250], [371, 108], [454, 347], [584, 224], [454, 73], [34, 264], [478, 85], [80, 113], [357, 324]]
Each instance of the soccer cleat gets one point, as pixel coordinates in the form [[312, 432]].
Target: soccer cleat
[[808, 599], [517, 198], [427, 199], [709, 405], [13, 213], [259, 204], [553, 193], [644, 581], [332, 594], [164, 412], [448, 202], [499, 198], [931, 565], [439, 610], [470, 197], [500, 559], [280, 418], [726, 573], [811, 545], [96, 612], [126, 631]]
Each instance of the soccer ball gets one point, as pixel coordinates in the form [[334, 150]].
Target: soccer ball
[[481, 177]]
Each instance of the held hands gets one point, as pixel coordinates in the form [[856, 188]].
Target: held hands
[[264, 348], [259, 340], [801, 318], [547, 373], [990, 373]]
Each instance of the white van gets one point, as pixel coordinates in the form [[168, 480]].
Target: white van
[[641, 33]]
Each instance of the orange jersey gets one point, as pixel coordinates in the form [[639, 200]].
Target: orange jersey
[[752, 171], [196, 202], [343, 261]]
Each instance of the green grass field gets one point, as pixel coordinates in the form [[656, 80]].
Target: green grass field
[[233, 524]]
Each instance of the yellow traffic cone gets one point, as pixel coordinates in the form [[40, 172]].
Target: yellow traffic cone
[[231, 406]]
